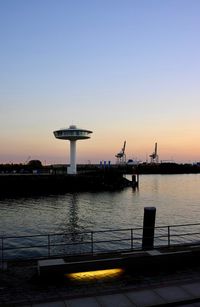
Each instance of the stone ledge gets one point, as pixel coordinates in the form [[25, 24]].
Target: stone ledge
[[59, 266]]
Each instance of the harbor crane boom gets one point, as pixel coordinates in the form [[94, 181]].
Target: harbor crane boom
[[27, 160], [121, 156], [154, 156]]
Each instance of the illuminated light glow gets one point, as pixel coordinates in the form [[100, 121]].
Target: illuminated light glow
[[99, 274]]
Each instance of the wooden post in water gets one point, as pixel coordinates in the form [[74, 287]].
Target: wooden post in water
[[135, 180], [148, 227]]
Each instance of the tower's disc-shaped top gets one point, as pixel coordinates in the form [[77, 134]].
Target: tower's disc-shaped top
[[72, 133]]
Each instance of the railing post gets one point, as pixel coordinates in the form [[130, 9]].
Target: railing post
[[92, 242], [2, 254], [49, 252], [131, 239], [168, 235]]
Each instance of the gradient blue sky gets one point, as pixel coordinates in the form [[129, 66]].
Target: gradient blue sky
[[128, 70]]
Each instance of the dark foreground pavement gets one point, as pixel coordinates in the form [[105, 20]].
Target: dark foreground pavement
[[166, 285]]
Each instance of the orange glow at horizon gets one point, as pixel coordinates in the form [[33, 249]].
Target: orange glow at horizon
[[174, 143]]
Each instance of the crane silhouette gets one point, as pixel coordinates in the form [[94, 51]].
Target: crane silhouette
[[154, 156], [121, 156]]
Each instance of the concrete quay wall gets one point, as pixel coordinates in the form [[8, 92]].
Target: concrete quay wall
[[155, 260]]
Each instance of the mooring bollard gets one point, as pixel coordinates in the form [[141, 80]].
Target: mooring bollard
[[148, 227]]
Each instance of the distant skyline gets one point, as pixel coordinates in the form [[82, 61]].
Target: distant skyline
[[127, 70]]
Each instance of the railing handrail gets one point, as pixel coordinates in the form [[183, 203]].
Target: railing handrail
[[178, 225], [133, 239], [95, 231], [69, 233]]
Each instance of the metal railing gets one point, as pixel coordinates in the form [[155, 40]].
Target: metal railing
[[93, 242]]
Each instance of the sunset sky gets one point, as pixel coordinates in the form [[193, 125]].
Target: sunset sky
[[127, 70]]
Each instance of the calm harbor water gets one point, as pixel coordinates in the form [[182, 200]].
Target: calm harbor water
[[176, 198]]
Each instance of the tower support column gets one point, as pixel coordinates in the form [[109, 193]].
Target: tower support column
[[72, 168]]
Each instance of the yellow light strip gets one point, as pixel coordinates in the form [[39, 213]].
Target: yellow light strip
[[100, 274]]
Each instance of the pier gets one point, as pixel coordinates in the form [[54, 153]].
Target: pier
[[56, 182]]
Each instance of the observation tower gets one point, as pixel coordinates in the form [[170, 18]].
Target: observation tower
[[72, 134]]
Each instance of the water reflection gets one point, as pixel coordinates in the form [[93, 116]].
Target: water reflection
[[73, 225], [155, 184]]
